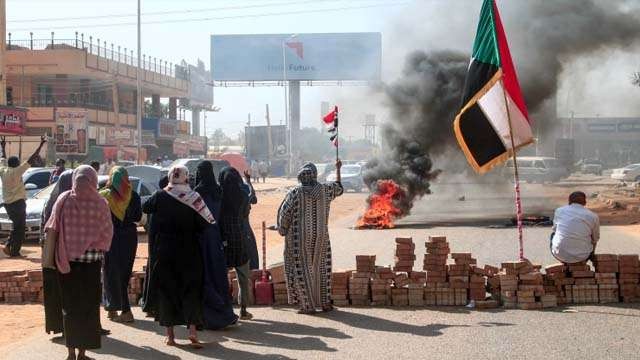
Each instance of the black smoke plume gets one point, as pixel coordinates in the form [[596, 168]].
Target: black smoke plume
[[424, 100]]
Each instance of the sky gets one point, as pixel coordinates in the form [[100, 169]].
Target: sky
[[190, 41], [593, 86]]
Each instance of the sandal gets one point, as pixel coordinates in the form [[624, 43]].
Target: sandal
[[112, 315], [195, 343], [104, 332], [246, 315], [327, 308], [126, 317], [170, 342]]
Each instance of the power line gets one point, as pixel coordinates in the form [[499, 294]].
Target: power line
[[296, 12], [172, 12]]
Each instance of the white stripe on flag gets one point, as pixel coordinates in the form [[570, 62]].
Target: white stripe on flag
[[493, 105]]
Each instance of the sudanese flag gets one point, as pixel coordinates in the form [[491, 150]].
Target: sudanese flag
[[491, 96]]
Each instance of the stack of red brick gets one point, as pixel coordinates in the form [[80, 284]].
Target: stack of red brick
[[21, 286]]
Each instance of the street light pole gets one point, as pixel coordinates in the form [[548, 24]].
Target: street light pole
[[139, 93]]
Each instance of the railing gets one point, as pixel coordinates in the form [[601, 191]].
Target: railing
[[100, 49]]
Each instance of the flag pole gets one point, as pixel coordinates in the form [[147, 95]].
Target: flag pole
[[516, 177], [337, 135]]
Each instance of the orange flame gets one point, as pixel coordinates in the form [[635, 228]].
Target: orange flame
[[381, 212]]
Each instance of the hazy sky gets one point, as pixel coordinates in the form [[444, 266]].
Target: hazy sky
[[190, 40], [595, 85]]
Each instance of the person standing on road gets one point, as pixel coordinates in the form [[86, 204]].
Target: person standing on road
[[82, 221], [148, 295], [55, 174], [95, 165], [303, 220], [217, 304], [126, 210], [14, 195], [50, 277], [232, 215], [252, 246], [179, 215], [576, 231], [263, 167]]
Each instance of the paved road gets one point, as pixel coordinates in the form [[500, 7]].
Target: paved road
[[581, 332]]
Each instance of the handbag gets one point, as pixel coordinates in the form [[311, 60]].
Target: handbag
[[49, 249]]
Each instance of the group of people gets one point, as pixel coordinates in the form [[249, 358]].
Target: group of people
[[196, 233], [261, 169]]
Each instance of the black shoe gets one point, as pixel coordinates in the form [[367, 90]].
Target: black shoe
[[104, 332]]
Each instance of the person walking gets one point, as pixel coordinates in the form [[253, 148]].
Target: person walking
[[252, 246], [126, 210], [81, 219], [232, 215], [217, 304], [180, 215], [263, 167], [303, 220], [148, 296], [55, 174], [14, 195]]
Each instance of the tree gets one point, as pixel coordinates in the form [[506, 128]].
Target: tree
[[219, 138], [635, 78]]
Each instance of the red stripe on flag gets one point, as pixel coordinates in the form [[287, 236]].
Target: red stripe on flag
[[329, 118], [510, 77]]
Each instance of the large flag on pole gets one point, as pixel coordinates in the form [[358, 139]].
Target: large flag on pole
[[491, 90]]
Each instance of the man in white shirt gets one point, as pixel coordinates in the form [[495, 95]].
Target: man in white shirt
[[576, 231]]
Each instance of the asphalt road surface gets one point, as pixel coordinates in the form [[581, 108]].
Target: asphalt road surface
[[573, 332]]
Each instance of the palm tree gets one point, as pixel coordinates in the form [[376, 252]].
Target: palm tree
[[635, 78]]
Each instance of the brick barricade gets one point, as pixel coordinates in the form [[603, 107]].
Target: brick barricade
[[449, 279]]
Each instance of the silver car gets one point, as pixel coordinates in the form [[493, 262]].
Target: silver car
[[36, 203]]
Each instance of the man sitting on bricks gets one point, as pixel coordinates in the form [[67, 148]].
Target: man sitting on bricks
[[576, 231]]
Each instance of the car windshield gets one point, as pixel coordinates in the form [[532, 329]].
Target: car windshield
[[351, 169], [44, 193]]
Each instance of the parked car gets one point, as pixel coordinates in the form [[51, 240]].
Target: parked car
[[36, 202], [538, 169], [590, 166], [192, 164], [34, 179], [351, 176], [628, 173], [149, 174]]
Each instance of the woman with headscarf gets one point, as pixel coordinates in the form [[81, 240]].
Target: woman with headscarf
[[152, 226], [126, 210], [217, 304], [232, 215], [179, 215], [303, 219], [50, 281], [81, 219], [252, 246]]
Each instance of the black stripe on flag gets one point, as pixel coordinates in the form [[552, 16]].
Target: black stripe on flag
[[478, 76], [481, 139]]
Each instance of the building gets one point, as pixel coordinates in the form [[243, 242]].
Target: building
[[63, 82], [615, 141]]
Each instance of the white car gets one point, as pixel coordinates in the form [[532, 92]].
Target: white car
[[351, 176], [627, 173]]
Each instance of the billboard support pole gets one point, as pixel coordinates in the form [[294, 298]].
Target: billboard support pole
[[139, 94], [269, 139]]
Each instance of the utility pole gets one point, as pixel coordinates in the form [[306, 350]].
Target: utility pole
[[138, 92], [3, 49], [247, 136], [269, 139]]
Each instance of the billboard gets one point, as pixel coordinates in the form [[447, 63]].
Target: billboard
[[276, 57], [201, 91], [12, 120], [71, 135], [257, 142]]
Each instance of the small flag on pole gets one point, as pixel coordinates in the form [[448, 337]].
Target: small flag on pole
[[331, 122], [491, 96]]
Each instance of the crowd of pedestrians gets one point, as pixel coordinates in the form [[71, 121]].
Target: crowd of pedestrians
[[197, 232]]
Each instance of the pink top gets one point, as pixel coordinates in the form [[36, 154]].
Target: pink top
[[82, 219]]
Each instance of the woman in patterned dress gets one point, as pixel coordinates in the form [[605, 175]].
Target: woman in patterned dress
[[303, 221]]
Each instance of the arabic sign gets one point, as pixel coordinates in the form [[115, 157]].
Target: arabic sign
[[12, 120], [71, 135], [148, 138], [166, 129]]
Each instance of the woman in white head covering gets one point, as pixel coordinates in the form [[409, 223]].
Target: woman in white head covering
[[179, 215]]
